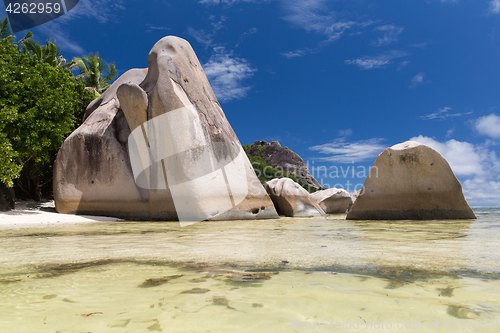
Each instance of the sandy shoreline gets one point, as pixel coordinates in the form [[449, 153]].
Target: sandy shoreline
[[41, 214]]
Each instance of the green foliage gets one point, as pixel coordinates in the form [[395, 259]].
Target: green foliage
[[38, 104], [9, 170], [48, 53], [266, 172], [5, 32], [260, 148], [92, 71]]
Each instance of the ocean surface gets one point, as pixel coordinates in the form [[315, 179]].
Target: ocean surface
[[288, 275]]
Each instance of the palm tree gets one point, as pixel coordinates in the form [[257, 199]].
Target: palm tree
[[48, 53], [6, 33], [91, 71], [5, 30]]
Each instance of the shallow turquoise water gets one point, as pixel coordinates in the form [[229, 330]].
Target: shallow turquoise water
[[287, 275]]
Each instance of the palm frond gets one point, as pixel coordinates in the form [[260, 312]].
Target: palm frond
[[5, 31]]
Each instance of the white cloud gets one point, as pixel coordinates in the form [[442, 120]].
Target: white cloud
[[201, 36], [152, 28], [61, 37], [373, 62], [495, 6], [314, 16], [417, 79], [443, 114], [101, 11], [345, 133], [489, 125], [476, 165], [482, 192], [403, 64], [299, 53], [466, 159], [206, 38], [227, 73], [390, 35], [341, 151]]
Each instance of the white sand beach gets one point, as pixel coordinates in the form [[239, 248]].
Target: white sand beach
[[41, 214]]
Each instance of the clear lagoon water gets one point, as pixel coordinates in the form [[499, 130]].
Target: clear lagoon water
[[287, 275]]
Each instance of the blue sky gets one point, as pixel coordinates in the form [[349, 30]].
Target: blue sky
[[337, 81]]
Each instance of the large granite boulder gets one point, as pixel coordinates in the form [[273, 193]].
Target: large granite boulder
[[333, 200], [157, 146], [410, 181], [355, 196], [291, 199], [284, 159]]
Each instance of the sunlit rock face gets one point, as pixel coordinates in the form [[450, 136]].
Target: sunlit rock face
[[291, 199], [333, 200], [157, 146], [410, 181]]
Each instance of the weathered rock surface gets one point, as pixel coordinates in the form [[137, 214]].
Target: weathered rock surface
[[333, 200], [411, 181], [285, 160], [291, 199], [355, 196], [157, 146]]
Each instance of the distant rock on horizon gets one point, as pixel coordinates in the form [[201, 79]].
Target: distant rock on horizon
[[284, 159], [410, 181]]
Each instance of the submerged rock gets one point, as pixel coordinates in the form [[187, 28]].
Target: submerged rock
[[410, 181], [157, 146], [155, 282], [333, 200], [291, 199]]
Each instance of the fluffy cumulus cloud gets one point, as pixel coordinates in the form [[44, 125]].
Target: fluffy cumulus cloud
[[476, 165], [341, 151], [227, 74], [378, 61], [466, 159], [489, 126]]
